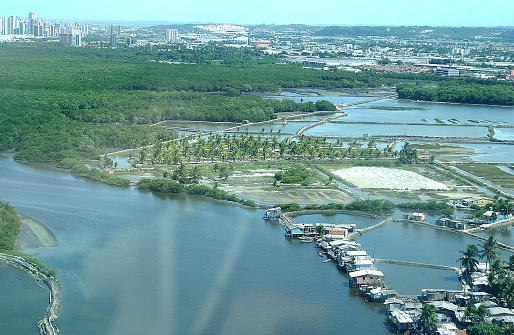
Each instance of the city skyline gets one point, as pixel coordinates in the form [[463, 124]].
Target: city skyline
[[329, 12]]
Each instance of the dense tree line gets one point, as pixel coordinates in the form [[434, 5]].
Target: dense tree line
[[242, 146], [97, 175], [486, 92], [428, 205], [9, 227], [360, 205], [59, 102], [171, 186], [293, 176]]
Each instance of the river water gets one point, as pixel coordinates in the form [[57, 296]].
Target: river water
[[132, 262]]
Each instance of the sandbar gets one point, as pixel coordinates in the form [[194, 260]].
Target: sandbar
[[33, 234]]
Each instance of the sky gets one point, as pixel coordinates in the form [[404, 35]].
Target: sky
[[311, 12]]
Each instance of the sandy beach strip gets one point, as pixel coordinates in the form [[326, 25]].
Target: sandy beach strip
[[34, 234]]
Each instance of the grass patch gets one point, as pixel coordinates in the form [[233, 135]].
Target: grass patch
[[490, 173]]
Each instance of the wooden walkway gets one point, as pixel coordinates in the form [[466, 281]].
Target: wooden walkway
[[359, 232], [457, 270], [389, 96]]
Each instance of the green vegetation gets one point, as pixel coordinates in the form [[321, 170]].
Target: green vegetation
[[244, 147], [488, 250], [294, 176], [361, 205], [408, 155], [491, 173], [501, 281], [370, 205], [217, 194], [469, 258], [428, 318], [9, 230], [487, 92], [95, 174], [429, 205], [160, 185], [84, 101], [325, 206], [485, 329], [33, 260], [9, 227], [291, 207], [171, 186]]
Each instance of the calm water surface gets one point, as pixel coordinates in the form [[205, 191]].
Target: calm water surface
[[131, 262], [462, 114], [357, 130], [22, 302]]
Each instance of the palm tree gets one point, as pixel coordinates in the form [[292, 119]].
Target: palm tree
[[320, 229], [482, 312], [468, 260], [471, 313], [476, 315], [428, 318], [489, 250], [508, 292]]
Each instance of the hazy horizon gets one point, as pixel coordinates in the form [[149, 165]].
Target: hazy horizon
[[453, 13]]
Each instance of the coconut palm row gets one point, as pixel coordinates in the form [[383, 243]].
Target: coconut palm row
[[488, 251], [238, 148]]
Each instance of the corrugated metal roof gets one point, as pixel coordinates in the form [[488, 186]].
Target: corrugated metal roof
[[361, 273]]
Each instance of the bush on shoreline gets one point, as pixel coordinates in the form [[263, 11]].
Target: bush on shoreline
[[160, 185], [429, 205], [361, 205], [93, 173], [171, 186]]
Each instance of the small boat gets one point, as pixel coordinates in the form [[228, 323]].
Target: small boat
[[320, 254]]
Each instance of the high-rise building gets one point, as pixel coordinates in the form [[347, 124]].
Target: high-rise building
[[128, 41], [22, 27], [11, 24], [171, 35], [66, 38], [31, 23], [113, 40], [38, 29], [77, 42], [56, 29], [85, 29]]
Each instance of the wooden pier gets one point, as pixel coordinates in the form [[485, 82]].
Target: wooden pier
[[457, 270], [359, 232]]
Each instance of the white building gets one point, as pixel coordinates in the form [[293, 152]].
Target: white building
[[171, 35]]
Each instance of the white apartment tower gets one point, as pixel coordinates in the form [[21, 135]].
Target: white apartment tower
[[171, 35]]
